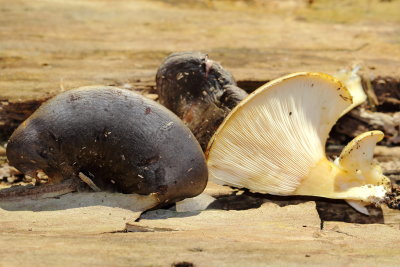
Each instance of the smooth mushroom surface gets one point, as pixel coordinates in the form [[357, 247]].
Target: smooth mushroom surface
[[114, 140], [200, 91], [274, 142]]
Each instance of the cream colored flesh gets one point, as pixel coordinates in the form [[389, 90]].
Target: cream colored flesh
[[329, 180], [353, 176]]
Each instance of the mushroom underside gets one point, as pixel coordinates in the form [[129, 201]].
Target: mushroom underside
[[274, 142]]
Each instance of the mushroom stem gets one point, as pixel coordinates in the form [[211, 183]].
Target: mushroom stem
[[328, 180]]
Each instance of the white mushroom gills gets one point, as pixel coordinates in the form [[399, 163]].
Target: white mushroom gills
[[274, 142]]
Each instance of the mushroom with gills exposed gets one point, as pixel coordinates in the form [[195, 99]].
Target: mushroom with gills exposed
[[114, 140], [200, 91], [273, 142]]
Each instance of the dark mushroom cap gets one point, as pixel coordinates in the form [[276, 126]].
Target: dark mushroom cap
[[200, 91], [121, 140]]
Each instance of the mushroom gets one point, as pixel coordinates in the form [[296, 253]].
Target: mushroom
[[113, 140], [198, 90], [273, 142]]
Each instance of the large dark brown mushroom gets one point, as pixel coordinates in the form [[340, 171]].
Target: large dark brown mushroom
[[114, 140], [198, 90]]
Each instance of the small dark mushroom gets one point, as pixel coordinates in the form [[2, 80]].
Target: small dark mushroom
[[113, 139], [198, 90]]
